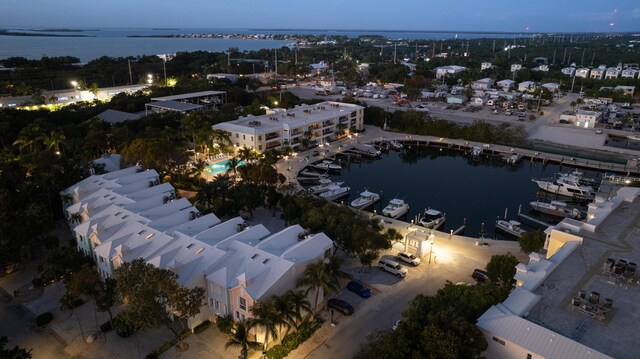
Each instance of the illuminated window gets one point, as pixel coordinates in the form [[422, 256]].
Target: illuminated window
[[243, 303]]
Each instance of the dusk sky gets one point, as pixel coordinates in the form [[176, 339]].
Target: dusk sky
[[458, 15]]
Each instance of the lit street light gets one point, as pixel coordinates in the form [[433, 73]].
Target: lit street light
[[74, 84], [432, 238]]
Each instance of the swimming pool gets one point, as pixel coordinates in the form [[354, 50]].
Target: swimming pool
[[221, 167]]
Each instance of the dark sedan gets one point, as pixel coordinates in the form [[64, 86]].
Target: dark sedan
[[341, 306], [359, 289]]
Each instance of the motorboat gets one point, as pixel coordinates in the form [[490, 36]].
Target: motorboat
[[567, 186], [511, 227], [514, 159], [323, 186], [396, 145], [328, 165], [365, 200], [334, 192], [556, 208], [396, 208], [476, 151], [432, 219], [579, 175]]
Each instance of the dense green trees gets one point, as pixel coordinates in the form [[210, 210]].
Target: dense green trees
[[502, 268], [532, 241], [151, 294], [438, 326], [322, 276]]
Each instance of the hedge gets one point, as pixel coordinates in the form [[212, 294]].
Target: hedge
[[202, 327], [293, 340], [167, 345]]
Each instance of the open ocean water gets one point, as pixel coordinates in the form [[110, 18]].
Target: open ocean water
[[115, 43], [468, 191]]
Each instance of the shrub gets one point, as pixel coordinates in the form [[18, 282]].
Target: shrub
[[44, 319], [292, 340], [202, 327], [106, 327]]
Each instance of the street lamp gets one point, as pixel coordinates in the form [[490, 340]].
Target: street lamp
[[149, 79], [74, 84]]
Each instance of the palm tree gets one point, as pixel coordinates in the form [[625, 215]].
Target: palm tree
[[315, 276], [322, 275], [232, 164], [266, 316], [299, 302], [198, 169], [247, 154], [285, 311], [75, 218], [239, 337], [54, 141]]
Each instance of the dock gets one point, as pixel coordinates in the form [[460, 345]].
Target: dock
[[631, 167]]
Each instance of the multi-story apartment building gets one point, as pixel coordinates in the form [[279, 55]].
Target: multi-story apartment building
[[582, 72], [128, 214], [629, 73], [319, 123]]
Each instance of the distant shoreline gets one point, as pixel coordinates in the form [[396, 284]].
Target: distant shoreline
[[12, 33]]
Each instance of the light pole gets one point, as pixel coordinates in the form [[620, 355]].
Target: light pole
[[74, 84]]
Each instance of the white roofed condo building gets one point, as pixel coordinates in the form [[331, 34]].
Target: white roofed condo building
[[319, 123], [443, 71], [128, 214], [629, 73], [582, 72]]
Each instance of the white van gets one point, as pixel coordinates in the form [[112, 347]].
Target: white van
[[392, 267]]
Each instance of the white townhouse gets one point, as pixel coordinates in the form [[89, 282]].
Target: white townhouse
[[506, 85], [569, 71], [320, 123], [527, 86], [486, 66], [127, 214], [598, 74], [612, 73], [516, 67], [582, 72], [629, 73]]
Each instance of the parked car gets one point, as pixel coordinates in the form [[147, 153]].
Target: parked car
[[480, 275], [359, 288], [341, 306], [408, 258], [598, 131], [422, 108], [396, 324], [392, 267]]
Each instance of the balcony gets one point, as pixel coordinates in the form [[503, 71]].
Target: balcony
[[328, 123], [271, 136]]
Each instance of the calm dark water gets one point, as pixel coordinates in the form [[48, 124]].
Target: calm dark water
[[115, 43], [450, 181]]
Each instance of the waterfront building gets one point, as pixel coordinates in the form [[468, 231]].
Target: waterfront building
[[128, 214], [569, 71], [587, 119], [222, 76], [443, 71], [573, 301], [319, 123], [69, 96]]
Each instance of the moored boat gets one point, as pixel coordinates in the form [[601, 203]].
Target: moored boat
[[365, 200], [323, 186], [579, 175], [396, 208], [395, 144], [567, 186], [556, 208], [511, 227], [327, 165], [334, 192], [432, 219]]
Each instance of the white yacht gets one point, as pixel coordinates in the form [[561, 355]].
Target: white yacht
[[556, 208], [579, 175], [396, 145], [567, 186], [476, 151], [510, 227], [323, 186], [328, 165], [365, 200], [514, 159], [334, 192], [432, 219], [396, 208]]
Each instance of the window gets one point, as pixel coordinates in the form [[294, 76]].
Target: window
[[259, 138], [252, 138], [501, 342], [237, 135], [237, 315], [260, 147], [101, 259], [243, 303], [216, 304], [243, 137]]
